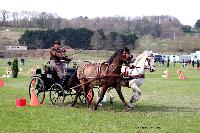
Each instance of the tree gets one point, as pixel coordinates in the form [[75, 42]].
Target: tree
[[113, 41], [83, 38], [197, 24], [186, 28], [156, 31], [75, 38], [96, 41], [5, 18], [15, 69], [129, 39]]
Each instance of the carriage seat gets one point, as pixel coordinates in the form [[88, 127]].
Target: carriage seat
[[70, 71], [50, 72]]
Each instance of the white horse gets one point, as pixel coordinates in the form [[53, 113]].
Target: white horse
[[134, 75]]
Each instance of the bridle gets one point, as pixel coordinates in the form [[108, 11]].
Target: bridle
[[127, 57], [148, 60], [147, 65]]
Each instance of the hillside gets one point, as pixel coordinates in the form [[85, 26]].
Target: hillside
[[186, 43], [9, 37]]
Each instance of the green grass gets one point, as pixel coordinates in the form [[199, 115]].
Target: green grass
[[171, 106]]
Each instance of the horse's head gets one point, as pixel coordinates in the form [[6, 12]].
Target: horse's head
[[126, 57], [121, 56], [144, 60], [150, 61]]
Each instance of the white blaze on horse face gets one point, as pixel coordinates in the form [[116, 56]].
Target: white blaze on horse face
[[151, 63]]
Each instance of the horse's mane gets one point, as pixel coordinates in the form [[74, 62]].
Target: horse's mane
[[139, 57], [120, 51]]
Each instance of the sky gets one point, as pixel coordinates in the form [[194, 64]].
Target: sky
[[187, 11]]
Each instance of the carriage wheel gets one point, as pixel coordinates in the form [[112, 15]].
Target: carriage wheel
[[69, 95], [57, 94], [90, 96], [82, 99], [37, 84]]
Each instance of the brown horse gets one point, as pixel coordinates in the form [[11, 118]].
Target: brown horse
[[105, 75]]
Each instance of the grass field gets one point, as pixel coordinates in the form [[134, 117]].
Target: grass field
[[171, 106]]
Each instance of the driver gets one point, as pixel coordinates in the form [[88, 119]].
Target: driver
[[57, 53]]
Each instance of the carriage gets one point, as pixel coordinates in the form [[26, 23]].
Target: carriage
[[47, 82], [80, 82]]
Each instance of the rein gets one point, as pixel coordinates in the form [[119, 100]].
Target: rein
[[126, 76], [109, 67], [111, 70], [134, 77]]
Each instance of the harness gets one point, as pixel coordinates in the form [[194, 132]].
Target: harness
[[126, 75], [108, 72]]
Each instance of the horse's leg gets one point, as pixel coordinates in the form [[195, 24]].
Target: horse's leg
[[90, 86], [136, 93], [119, 92], [100, 97], [111, 95], [84, 90], [78, 93]]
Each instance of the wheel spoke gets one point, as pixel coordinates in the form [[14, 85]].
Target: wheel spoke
[[37, 84], [57, 94]]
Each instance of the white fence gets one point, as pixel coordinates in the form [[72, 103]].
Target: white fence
[[16, 47]]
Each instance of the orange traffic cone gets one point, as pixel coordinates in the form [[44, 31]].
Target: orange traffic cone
[[1, 82], [34, 99], [180, 76], [33, 82], [184, 77]]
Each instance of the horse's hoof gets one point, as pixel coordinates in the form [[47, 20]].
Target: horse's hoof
[[91, 109], [95, 108], [130, 106], [112, 100], [100, 104], [129, 109], [72, 105], [131, 101]]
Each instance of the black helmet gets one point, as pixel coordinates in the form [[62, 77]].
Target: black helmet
[[126, 50], [57, 42]]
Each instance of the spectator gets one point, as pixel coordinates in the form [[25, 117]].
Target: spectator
[[23, 61], [168, 62], [192, 63], [9, 63], [163, 62], [197, 63], [174, 60]]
